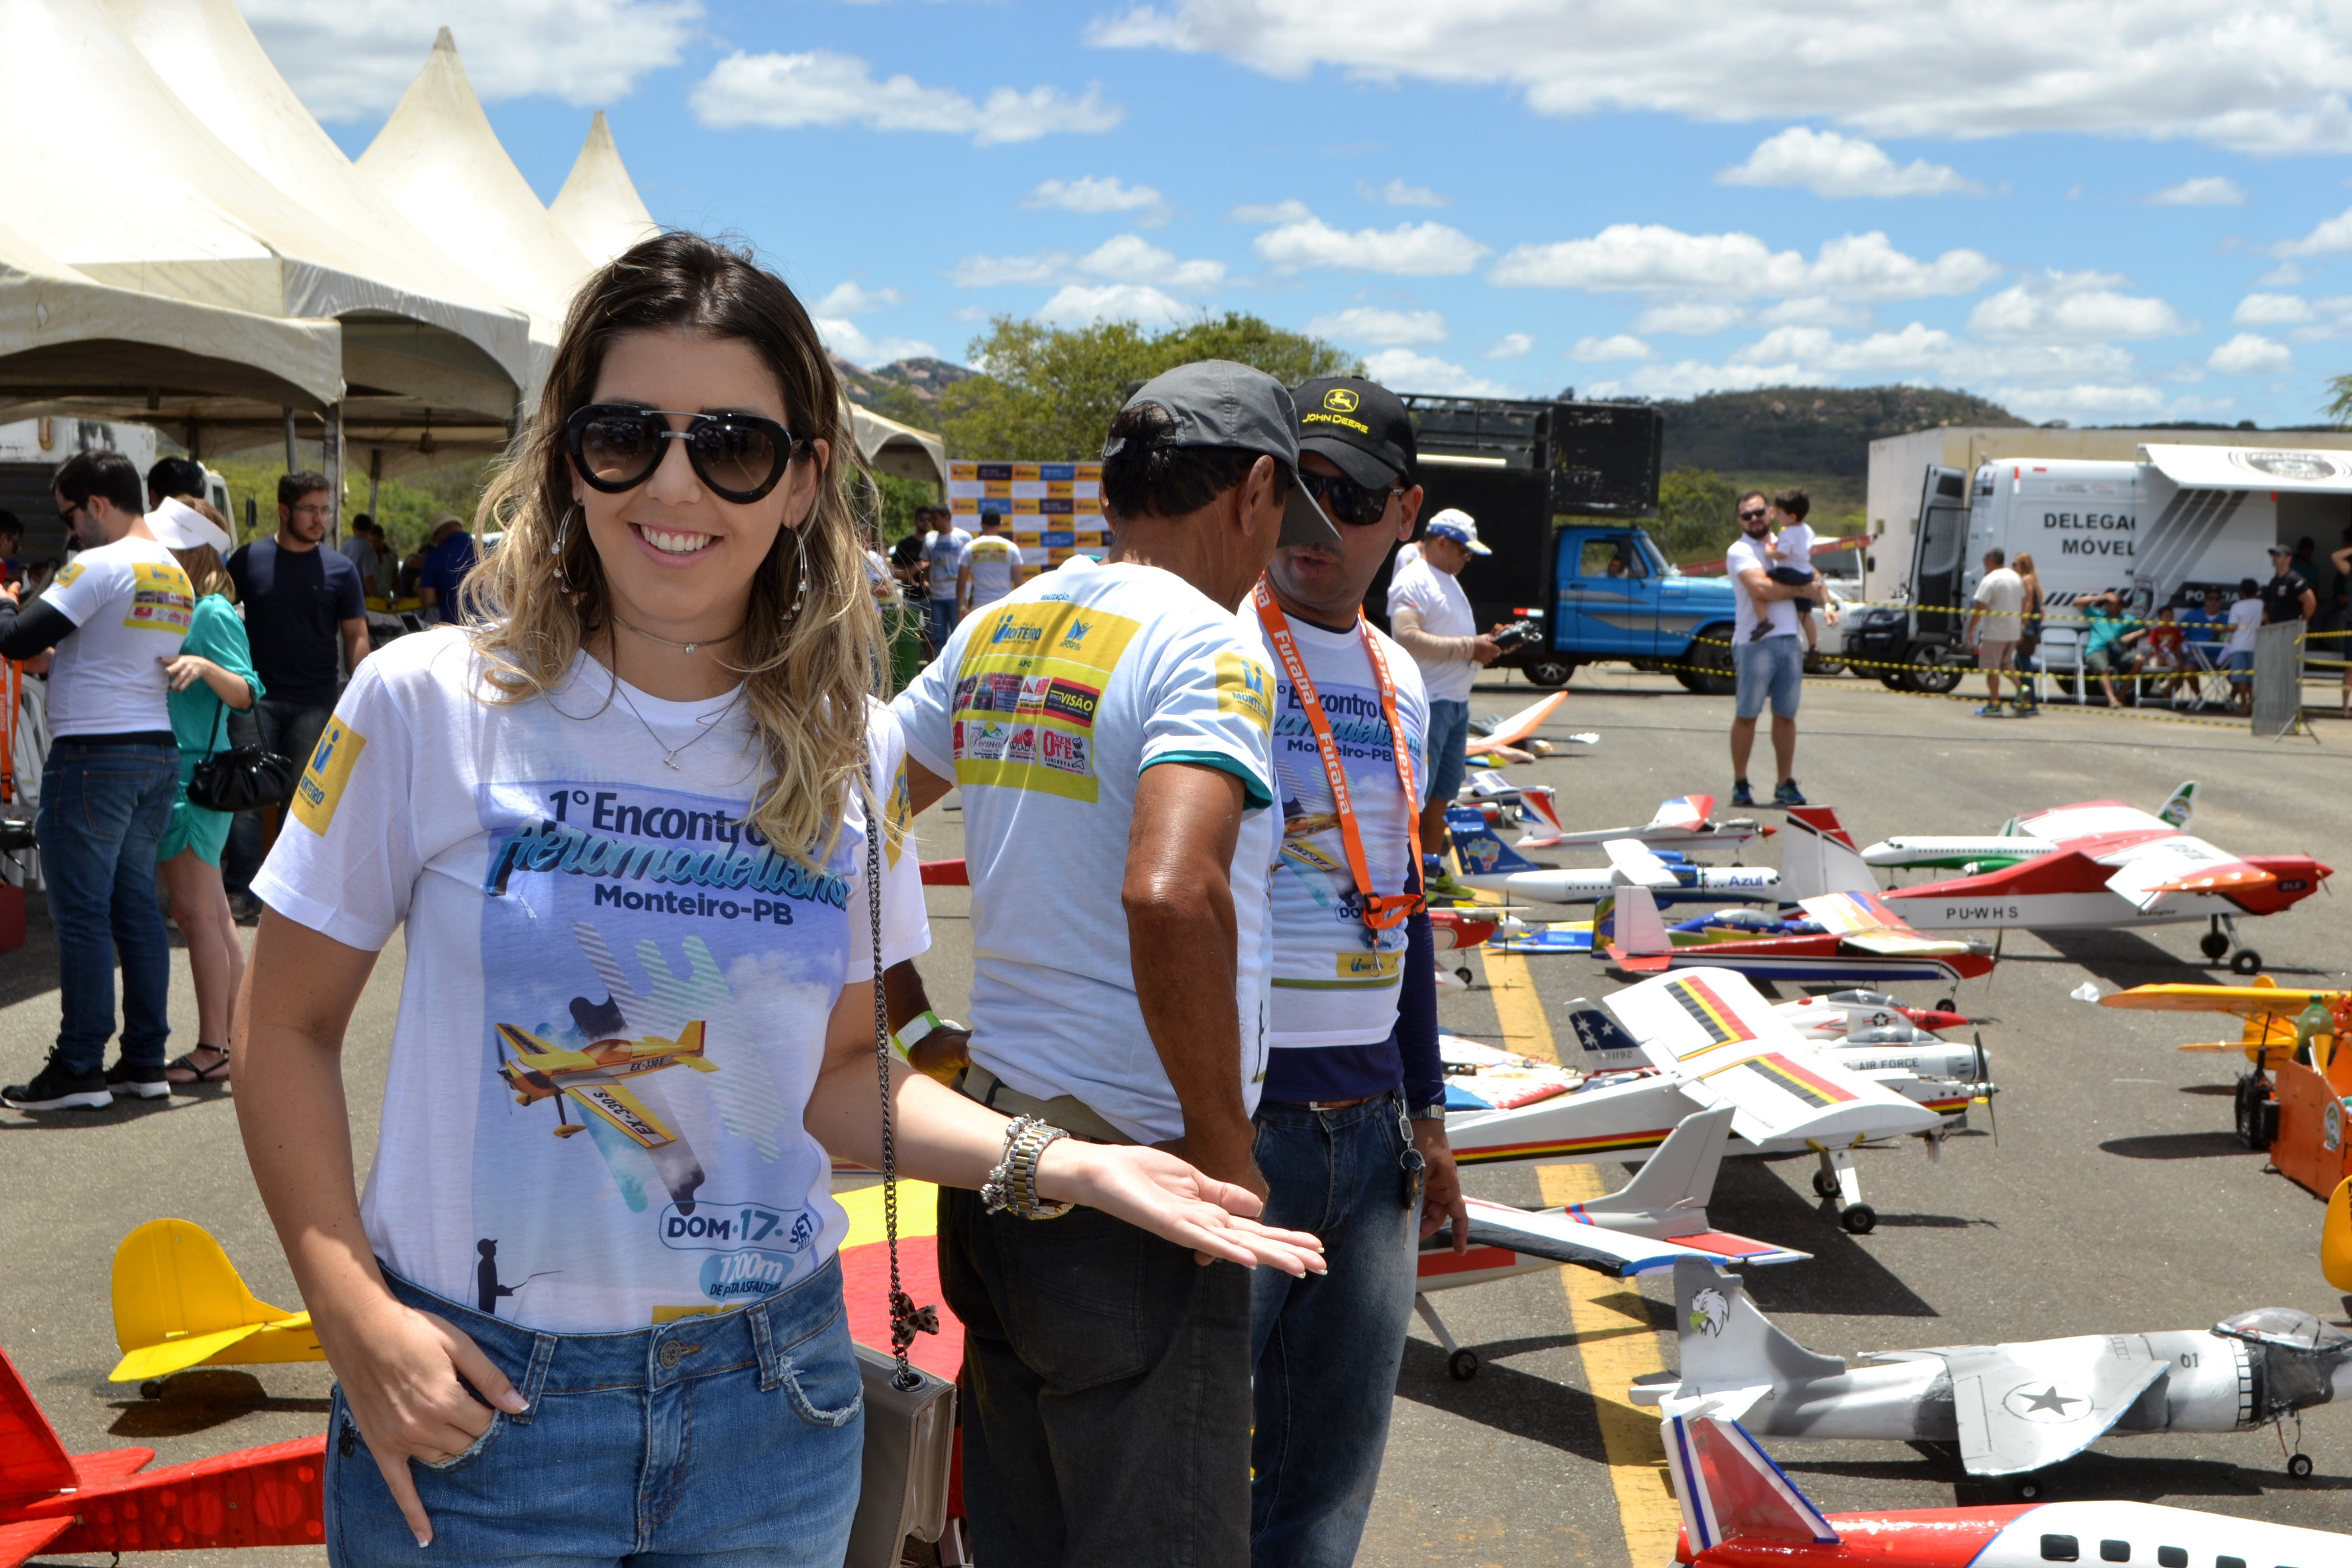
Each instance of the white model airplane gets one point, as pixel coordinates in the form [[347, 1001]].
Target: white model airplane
[[1700, 1039], [1684, 823], [2011, 1409], [1740, 1509], [1833, 936], [2106, 865], [1656, 1220], [1492, 865]]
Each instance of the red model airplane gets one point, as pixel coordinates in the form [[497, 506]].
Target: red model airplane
[[108, 1502], [1741, 1511]]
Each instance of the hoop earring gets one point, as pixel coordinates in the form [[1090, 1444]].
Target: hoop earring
[[555, 550]]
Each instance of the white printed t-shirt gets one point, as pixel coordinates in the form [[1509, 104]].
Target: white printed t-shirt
[[1780, 614], [2245, 619], [1335, 980], [130, 603], [1046, 711], [615, 1000], [990, 559], [1444, 611]]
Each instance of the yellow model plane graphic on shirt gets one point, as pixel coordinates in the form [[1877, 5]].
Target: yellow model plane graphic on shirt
[[593, 1078]]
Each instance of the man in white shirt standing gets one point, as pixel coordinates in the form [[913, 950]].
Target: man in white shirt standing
[[116, 616], [1108, 717], [1996, 620], [1429, 617], [986, 569], [1767, 651]]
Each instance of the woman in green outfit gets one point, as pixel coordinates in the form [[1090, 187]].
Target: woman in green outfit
[[212, 673]]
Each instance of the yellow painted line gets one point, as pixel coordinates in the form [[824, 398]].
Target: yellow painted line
[[1613, 1336]]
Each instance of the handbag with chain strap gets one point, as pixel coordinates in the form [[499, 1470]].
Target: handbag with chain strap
[[909, 1412], [244, 779]]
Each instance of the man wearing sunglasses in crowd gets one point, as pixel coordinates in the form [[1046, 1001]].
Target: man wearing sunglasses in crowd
[[1351, 1120], [1767, 651]]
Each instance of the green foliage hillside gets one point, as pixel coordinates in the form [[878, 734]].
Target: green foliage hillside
[[1799, 430]]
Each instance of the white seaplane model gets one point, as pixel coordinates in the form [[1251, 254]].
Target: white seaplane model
[[2098, 863], [2011, 1409], [1704, 1039], [1740, 1511], [1654, 1220], [1492, 865]]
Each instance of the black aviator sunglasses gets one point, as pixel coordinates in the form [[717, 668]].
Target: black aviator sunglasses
[[1347, 501], [616, 446]]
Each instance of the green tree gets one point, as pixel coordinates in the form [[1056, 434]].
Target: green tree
[[2338, 406], [1048, 393], [1697, 515]]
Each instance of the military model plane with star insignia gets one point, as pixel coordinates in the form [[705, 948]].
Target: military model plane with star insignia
[[2011, 1409]]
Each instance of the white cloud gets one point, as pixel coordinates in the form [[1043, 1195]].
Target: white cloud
[[1097, 196], [1651, 257], [2333, 234], [1300, 239], [1608, 350], [844, 338], [1511, 345], [1401, 370], [2271, 310], [2205, 191], [1689, 378], [1813, 311], [2072, 307], [347, 62], [1080, 304], [823, 87], [1383, 328], [2269, 82], [848, 297], [2334, 315], [1396, 193], [2250, 353], [1829, 164], [2286, 275], [1123, 258], [989, 271], [2116, 402], [1689, 318]]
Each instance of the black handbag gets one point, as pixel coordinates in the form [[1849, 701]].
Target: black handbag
[[246, 779]]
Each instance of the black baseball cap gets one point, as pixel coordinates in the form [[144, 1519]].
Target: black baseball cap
[[1220, 402], [1360, 424]]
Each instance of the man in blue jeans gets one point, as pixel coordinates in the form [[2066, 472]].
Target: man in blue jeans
[[1351, 1119], [116, 617], [1768, 653]]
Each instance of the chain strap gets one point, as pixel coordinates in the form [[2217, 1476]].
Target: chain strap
[[906, 1319]]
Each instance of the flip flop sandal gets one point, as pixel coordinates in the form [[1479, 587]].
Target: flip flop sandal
[[215, 1073]]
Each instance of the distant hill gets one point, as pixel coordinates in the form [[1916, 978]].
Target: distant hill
[[921, 379], [1810, 430]]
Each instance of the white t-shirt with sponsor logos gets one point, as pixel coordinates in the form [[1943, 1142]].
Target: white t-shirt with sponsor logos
[[614, 999], [1046, 711], [130, 603], [991, 559], [1336, 981]]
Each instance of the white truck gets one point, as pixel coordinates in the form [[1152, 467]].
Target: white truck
[[2158, 531]]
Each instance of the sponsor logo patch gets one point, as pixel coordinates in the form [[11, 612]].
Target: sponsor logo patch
[[321, 786]]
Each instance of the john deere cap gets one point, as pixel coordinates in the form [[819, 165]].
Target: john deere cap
[[1217, 402], [1360, 424]]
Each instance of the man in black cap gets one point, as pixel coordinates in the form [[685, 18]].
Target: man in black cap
[[1351, 1121], [1111, 715], [2288, 596]]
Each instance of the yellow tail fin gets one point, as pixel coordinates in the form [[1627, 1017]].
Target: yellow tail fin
[[178, 1302]]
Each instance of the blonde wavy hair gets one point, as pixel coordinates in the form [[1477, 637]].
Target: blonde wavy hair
[[201, 563], [807, 676]]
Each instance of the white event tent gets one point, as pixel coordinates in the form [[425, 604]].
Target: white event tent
[[598, 208]]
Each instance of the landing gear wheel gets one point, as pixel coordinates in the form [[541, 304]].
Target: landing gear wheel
[[1825, 1185], [1945, 1005], [1464, 974], [2299, 1467], [1462, 1365], [2029, 1488], [152, 1389], [2245, 960], [2213, 944], [1858, 1219]]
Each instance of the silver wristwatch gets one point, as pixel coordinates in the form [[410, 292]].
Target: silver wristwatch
[[1013, 1185]]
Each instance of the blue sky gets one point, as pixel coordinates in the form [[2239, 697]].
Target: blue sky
[[2088, 210]]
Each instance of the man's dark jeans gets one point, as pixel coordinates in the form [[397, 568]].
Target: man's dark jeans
[[1327, 1346], [291, 730], [1110, 1385], [103, 810]]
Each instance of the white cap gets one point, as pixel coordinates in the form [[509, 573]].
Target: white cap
[[176, 525], [1459, 526]]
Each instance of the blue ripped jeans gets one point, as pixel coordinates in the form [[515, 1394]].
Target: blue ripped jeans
[[726, 1441]]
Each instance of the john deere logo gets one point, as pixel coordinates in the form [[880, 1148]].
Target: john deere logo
[[1340, 400]]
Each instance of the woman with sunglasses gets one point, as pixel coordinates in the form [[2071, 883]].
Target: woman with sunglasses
[[589, 1308]]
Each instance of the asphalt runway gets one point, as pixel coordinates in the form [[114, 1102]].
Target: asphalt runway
[[2113, 1200]]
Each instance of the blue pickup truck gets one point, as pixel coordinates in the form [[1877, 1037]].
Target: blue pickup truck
[[1614, 596]]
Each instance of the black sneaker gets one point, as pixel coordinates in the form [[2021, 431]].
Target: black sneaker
[[55, 1088], [126, 1081], [1741, 795]]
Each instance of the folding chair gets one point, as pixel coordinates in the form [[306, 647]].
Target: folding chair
[[2203, 682]]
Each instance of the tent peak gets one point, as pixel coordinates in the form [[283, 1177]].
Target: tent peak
[[598, 208], [445, 39]]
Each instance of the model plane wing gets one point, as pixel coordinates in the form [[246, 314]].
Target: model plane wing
[[1515, 727], [1683, 811], [624, 1111], [2239, 1000], [1710, 1030], [1634, 863], [2147, 872], [2090, 819], [2026, 1406], [1553, 1234], [18, 1542]]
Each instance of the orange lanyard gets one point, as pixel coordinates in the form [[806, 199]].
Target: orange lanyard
[[1382, 912]]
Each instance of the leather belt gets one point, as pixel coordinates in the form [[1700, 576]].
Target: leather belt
[[1067, 1111], [1327, 1104]]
